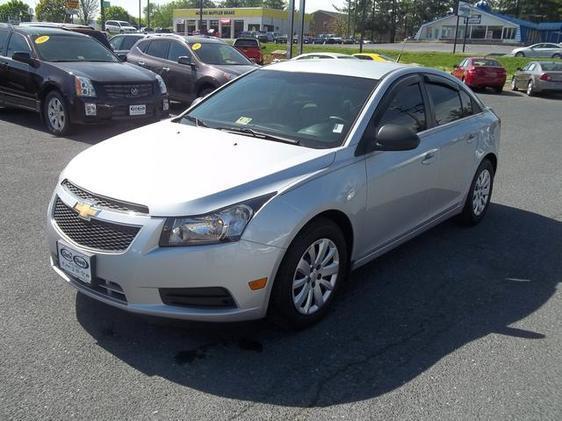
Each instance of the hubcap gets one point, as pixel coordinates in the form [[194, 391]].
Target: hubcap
[[481, 193], [55, 114], [315, 277]]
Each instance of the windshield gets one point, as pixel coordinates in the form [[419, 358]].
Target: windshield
[[552, 67], [315, 110], [123, 23], [71, 48], [218, 53]]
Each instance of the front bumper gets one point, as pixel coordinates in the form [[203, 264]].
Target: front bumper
[[81, 109], [144, 268]]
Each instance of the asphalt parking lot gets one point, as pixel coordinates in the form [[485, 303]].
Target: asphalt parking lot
[[456, 324]]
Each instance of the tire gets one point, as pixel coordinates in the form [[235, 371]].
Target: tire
[[55, 114], [478, 198], [531, 88], [498, 89], [520, 54], [296, 291], [205, 91], [556, 55], [514, 85]]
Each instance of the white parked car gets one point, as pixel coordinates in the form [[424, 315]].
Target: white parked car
[[263, 196], [544, 49], [119, 27], [322, 55]]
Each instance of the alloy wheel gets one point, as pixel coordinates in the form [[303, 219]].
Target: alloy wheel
[[316, 275], [56, 114], [481, 193]]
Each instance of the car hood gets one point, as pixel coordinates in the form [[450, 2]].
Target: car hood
[[184, 170], [236, 70], [107, 72]]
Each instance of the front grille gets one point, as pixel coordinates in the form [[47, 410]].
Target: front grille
[[128, 90], [197, 297], [102, 201], [94, 233]]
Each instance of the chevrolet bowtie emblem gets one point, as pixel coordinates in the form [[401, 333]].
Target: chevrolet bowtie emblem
[[85, 211]]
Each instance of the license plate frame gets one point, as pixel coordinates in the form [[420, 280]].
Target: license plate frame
[[138, 109], [78, 264]]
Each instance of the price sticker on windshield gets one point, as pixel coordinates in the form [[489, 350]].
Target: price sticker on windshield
[[338, 128], [243, 120], [196, 46], [42, 39]]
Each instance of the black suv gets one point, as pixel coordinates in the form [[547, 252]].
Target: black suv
[[191, 66], [71, 78]]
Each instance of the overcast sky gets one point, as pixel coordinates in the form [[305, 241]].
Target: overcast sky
[[132, 6]]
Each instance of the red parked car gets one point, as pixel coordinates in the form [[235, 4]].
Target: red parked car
[[479, 72], [250, 47]]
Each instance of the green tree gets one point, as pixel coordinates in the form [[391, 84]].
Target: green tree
[[50, 11], [275, 4], [14, 10], [88, 10], [116, 13]]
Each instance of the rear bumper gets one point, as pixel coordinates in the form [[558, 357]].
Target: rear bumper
[[548, 86], [156, 107]]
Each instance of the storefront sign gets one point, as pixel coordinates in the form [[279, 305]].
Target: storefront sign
[[475, 20], [464, 10]]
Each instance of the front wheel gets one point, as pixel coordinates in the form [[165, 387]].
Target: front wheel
[[479, 195], [531, 88], [310, 274], [520, 54], [513, 85], [55, 114], [556, 55], [498, 89]]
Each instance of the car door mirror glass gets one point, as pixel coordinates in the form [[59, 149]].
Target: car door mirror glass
[[393, 137], [24, 57], [185, 60], [122, 57]]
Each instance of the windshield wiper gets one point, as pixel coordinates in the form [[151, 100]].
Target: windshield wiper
[[261, 135], [198, 122]]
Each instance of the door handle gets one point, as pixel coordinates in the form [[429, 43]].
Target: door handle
[[429, 157], [141, 63], [470, 138], [166, 69]]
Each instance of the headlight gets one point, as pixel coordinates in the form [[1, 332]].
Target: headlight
[[84, 86], [223, 225], [162, 84]]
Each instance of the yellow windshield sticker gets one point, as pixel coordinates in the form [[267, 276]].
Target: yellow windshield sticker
[[42, 39], [196, 46], [243, 120]]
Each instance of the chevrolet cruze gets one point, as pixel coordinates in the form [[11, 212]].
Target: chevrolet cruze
[[263, 196]]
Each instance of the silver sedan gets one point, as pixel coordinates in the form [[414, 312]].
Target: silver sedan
[[539, 50], [262, 197], [537, 77]]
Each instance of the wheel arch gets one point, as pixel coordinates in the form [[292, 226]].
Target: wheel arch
[[493, 159], [205, 83], [44, 91]]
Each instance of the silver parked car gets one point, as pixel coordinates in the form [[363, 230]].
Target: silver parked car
[[263, 196], [537, 77], [544, 49]]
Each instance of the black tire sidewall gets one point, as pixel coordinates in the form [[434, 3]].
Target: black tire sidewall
[[282, 309], [51, 129], [468, 216]]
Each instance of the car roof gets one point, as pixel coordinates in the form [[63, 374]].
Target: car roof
[[353, 68], [246, 39], [56, 25], [47, 30], [327, 53]]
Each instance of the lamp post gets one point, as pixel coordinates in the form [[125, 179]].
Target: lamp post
[[301, 35], [148, 13], [200, 16], [140, 15], [291, 11], [102, 15]]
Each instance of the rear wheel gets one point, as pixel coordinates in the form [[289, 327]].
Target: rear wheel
[[479, 195], [556, 55], [310, 274], [55, 114], [531, 88], [205, 91], [498, 89]]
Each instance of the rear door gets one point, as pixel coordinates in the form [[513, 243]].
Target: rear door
[[156, 54], [4, 36], [20, 86], [455, 132]]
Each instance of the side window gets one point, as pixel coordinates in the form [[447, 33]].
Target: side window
[[158, 48], [446, 103], [143, 46], [128, 42], [466, 103], [3, 41], [464, 63], [176, 51], [531, 67], [406, 109], [18, 44], [116, 42]]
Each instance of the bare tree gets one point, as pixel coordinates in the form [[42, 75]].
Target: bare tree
[[88, 10]]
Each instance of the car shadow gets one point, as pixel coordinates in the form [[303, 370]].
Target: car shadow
[[396, 318], [90, 134]]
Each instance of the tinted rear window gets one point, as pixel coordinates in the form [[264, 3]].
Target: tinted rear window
[[128, 42], [486, 63], [245, 43], [446, 103], [3, 39], [552, 67], [158, 48]]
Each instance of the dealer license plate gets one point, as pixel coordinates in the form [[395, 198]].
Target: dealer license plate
[[75, 263], [137, 109]]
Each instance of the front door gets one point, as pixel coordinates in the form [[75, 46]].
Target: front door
[[179, 78], [399, 184], [19, 86]]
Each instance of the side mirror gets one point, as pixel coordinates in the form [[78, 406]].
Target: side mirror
[[24, 57], [392, 137], [122, 57], [185, 60]]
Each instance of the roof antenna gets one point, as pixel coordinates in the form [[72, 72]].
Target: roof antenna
[[401, 51]]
